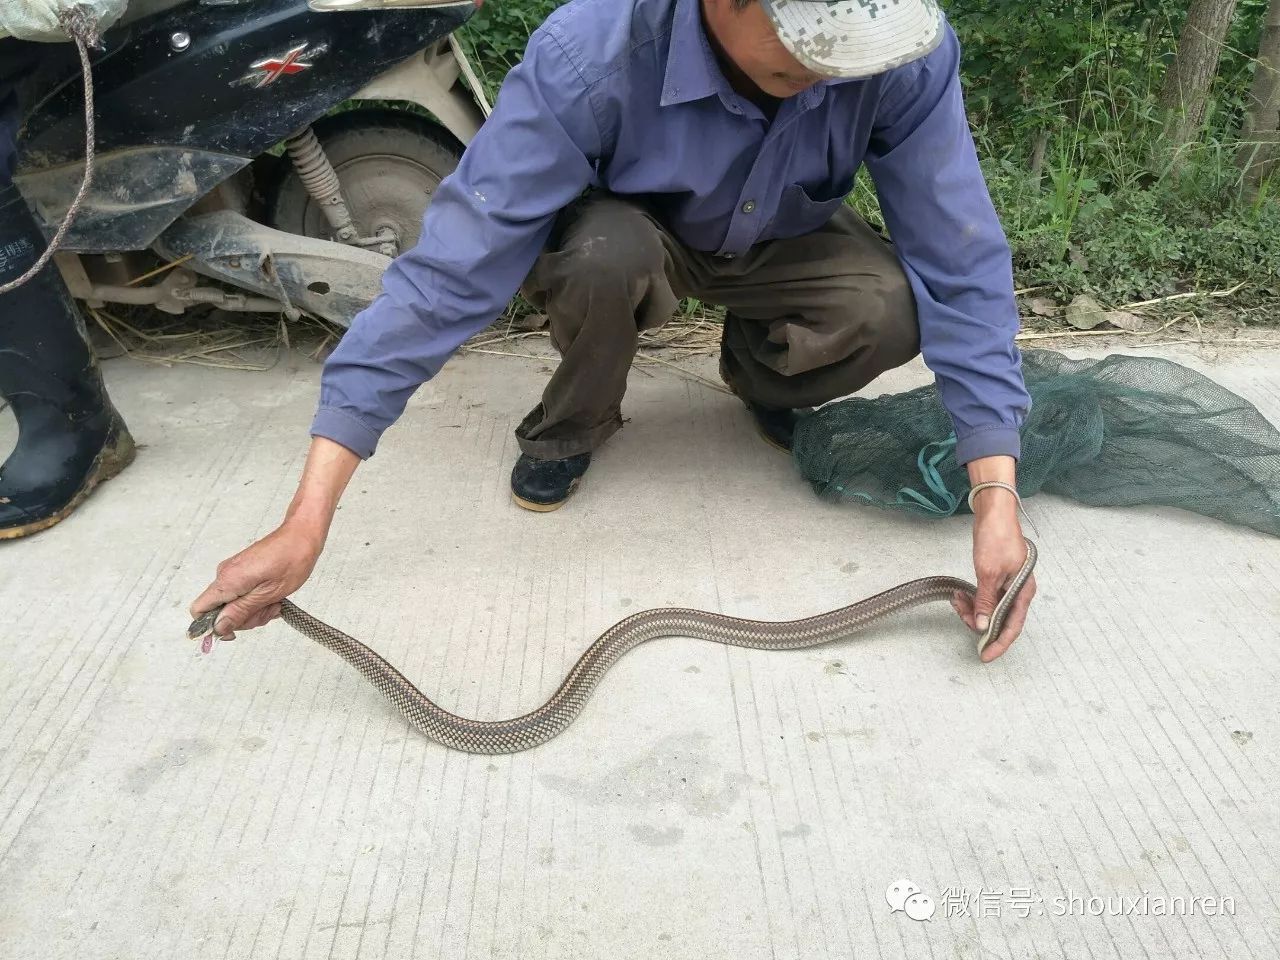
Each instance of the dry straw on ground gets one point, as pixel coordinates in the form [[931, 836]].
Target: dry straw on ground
[[247, 341]]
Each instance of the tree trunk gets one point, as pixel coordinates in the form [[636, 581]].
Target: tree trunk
[[1038, 148], [1260, 133], [1186, 85]]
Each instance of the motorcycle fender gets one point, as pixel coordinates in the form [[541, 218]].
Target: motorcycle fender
[[136, 193], [441, 80]]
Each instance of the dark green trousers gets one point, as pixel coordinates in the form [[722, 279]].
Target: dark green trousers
[[808, 319]]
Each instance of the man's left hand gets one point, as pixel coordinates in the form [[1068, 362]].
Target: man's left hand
[[999, 551]]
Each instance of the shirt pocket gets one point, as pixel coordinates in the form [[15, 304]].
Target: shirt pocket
[[800, 212]]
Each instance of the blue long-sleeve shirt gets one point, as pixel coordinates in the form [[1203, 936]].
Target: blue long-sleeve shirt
[[627, 95]]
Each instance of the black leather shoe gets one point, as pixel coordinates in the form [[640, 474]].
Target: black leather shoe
[[70, 437], [544, 485], [776, 425]]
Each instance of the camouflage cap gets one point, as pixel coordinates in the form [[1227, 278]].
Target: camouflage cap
[[856, 38]]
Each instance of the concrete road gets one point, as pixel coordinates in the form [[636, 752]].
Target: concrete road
[[710, 803]]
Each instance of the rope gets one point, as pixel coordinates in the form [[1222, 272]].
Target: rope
[[82, 27]]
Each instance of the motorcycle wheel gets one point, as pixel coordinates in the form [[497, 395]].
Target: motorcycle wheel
[[389, 165]]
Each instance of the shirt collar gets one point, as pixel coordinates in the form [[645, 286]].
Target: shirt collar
[[692, 72]]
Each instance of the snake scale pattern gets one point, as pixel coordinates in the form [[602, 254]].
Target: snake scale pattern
[[553, 717]]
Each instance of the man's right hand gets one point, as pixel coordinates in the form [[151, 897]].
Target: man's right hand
[[255, 580]]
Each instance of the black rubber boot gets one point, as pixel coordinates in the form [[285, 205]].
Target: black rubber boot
[[544, 485], [70, 437]]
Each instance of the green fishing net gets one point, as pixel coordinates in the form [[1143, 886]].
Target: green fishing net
[[1120, 431]]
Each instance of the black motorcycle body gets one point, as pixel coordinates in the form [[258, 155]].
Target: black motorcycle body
[[205, 108]]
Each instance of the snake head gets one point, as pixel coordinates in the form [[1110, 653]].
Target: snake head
[[202, 628]]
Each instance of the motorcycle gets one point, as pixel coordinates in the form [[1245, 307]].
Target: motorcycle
[[255, 155]]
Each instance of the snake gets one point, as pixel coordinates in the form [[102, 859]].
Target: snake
[[557, 713]]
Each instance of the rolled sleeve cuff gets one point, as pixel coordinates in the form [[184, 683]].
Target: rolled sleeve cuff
[[341, 427], [989, 442]]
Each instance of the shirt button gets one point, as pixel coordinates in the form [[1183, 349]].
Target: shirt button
[[728, 256], [749, 207]]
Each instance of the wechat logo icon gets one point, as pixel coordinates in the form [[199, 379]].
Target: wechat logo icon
[[905, 896]]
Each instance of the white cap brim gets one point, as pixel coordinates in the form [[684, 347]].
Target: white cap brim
[[856, 38]]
